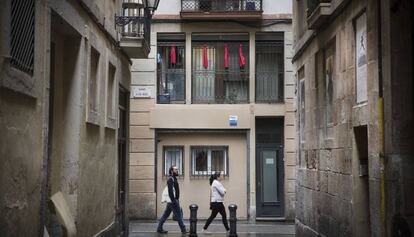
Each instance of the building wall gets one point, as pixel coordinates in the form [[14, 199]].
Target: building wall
[[332, 198], [83, 155], [197, 189], [147, 116], [21, 144], [398, 89]]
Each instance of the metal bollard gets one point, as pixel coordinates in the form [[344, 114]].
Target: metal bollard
[[193, 220], [233, 220]]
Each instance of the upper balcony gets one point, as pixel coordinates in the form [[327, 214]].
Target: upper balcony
[[221, 9], [135, 29], [318, 12]]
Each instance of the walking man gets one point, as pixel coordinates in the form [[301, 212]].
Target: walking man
[[171, 196]]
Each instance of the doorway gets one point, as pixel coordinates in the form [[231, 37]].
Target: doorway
[[269, 168], [122, 160]]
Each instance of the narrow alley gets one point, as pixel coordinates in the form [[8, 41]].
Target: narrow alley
[[287, 118]]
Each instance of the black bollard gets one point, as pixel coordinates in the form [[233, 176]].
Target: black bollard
[[193, 220], [233, 220]]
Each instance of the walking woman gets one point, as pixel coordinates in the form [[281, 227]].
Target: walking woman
[[217, 192]]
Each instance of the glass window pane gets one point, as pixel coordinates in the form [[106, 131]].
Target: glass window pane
[[269, 180], [200, 160], [217, 160], [173, 157]]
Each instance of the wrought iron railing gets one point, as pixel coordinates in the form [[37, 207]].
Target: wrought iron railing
[[220, 87], [269, 72], [269, 86], [135, 23], [313, 4], [221, 5]]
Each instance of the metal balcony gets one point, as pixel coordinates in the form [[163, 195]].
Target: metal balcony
[[221, 9], [318, 13], [135, 29]]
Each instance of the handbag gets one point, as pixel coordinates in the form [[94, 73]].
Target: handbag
[[175, 217]]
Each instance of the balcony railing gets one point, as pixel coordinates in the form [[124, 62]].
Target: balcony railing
[[220, 87], [221, 5], [240, 9], [318, 12], [135, 27]]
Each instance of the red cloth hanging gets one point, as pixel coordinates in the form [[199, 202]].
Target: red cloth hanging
[[173, 55], [242, 61], [226, 56], [205, 58]]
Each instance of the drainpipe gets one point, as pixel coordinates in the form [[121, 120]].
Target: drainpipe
[[381, 122]]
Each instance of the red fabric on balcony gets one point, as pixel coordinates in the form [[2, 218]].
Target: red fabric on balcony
[[242, 61], [173, 55], [226, 56], [205, 58]]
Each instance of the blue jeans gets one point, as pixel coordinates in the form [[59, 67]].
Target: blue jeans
[[172, 207]]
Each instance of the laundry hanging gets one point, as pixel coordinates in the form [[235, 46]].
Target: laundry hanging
[[242, 59], [205, 58], [226, 56], [173, 55]]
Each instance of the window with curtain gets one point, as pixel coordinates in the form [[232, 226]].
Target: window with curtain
[[218, 73], [171, 69], [173, 156], [207, 160]]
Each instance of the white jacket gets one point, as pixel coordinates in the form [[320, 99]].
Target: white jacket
[[217, 191]]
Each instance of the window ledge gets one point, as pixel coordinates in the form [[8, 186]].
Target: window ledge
[[16, 80], [93, 117], [320, 15], [111, 123]]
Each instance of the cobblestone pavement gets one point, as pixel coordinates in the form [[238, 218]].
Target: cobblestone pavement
[[265, 229]]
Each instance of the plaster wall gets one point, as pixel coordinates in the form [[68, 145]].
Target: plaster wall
[[21, 129], [197, 189], [83, 157]]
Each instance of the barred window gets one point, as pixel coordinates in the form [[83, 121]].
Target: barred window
[[173, 156], [171, 68], [22, 35], [207, 160]]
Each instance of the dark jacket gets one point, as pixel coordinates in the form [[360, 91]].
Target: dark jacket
[[172, 182]]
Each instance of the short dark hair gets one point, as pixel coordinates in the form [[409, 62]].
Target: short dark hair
[[170, 171]]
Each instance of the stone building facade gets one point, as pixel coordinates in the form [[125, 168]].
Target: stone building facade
[[64, 89], [194, 111], [353, 69]]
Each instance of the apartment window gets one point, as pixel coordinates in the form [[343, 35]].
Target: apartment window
[[329, 80], [269, 67], [207, 160], [111, 97], [173, 156], [93, 86], [22, 36], [220, 68], [302, 108], [171, 68]]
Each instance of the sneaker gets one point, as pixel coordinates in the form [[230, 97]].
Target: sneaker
[[204, 231], [162, 231], [185, 231]]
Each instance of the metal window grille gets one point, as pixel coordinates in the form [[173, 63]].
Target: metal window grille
[[217, 84], [269, 72], [22, 34]]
